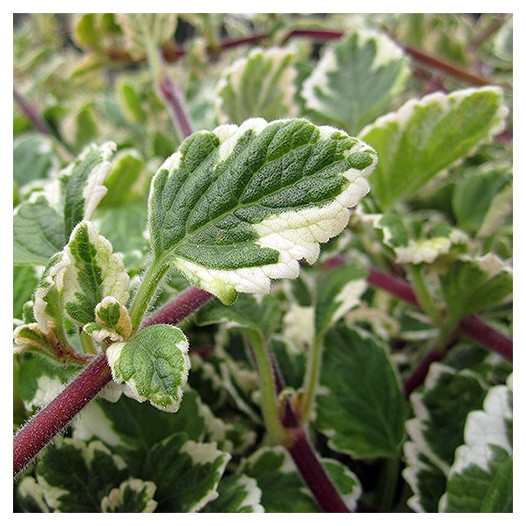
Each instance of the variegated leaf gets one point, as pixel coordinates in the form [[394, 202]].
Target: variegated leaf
[[132, 496], [43, 224], [258, 85], [238, 206], [356, 80], [481, 477], [154, 366], [93, 273], [428, 135], [436, 431], [111, 321], [237, 494]]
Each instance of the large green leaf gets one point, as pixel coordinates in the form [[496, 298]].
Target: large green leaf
[[238, 206], [436, 431], [427, 136], [259, 85], [481, 478], [360, 405], [356, 80], [153, 365], [24, 282]]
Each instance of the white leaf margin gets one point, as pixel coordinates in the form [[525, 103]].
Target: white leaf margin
[[484, 429]]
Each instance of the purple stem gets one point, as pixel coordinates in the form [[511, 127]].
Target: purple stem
[[175, 102], [31, 113], [41, 429], [304, 455], [418, 376]]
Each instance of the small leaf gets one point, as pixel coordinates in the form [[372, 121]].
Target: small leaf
[[127, 168], [436, 431], [238, 206], [338, 292], [237, 494], [360, 405], [154, 365], [142, 30], [30, 496], [38, 231], [186, 473], [111, 320], [475, 284], [427, 136], [132, 496], [417, 238], [481, 478], [93, 273], [81, 184], [258, 85], [33, 158], [356, 80]]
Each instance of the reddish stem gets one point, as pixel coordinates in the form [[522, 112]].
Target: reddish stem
[[417, 377], [31, 113], [174, 100], [304, 455], [40, 430], [178, 309]]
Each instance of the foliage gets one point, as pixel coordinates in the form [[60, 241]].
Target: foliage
[[286, 170]]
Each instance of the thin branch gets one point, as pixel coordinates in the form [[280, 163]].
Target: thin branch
[[175, 102], [418, 376], [31, 113]]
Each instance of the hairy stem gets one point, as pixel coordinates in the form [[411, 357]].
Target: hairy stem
[[40, 430], [31, 113]]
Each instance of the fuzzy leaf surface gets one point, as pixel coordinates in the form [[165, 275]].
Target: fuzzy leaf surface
[[259, 85], [154, 366], [355, 80], [93, 272], [360, 405], [427, 136], [238, 206], [437, 430], [481, 478]]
